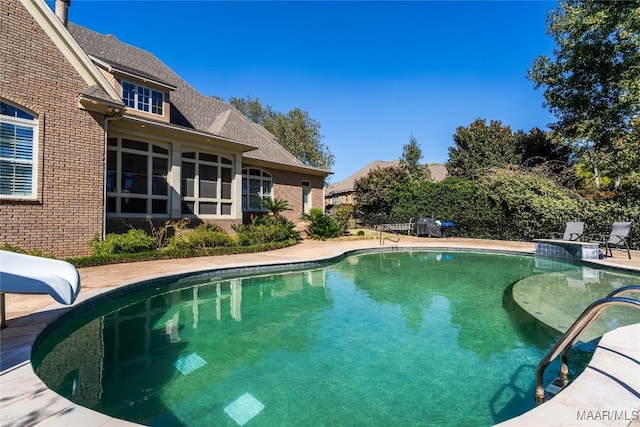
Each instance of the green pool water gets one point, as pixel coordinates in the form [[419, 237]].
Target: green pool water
[[378, 339]]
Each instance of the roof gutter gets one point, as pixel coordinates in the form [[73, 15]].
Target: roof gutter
[[209, 137], [116, 70], [310, 170]]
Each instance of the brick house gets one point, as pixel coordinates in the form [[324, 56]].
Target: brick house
[[97, 135]]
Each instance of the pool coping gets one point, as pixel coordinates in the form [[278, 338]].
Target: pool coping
[[25, 399]]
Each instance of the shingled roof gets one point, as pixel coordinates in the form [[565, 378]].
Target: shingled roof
[[347, 185], [189, 108]]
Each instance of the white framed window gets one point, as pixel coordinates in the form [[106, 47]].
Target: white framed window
[[18, 152], [142, 98], [206, 184], [256, 185], [136, 181]]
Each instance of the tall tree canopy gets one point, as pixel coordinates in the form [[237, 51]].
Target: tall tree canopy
[[592, 85], [479, 147], [295, 131], [545, 151], [410, 160], [379, 191]]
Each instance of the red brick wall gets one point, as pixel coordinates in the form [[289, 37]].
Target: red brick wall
[[288, 186], [35, 75]]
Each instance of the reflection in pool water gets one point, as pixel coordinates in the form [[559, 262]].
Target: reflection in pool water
[[387, 338]]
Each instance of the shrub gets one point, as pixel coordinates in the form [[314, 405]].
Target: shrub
[[265, 230], [341, 215], [12, 248], [33, 252], [275, 206], [322, 226], [161, 235], [534, 203], [203, 236], [134, 241]]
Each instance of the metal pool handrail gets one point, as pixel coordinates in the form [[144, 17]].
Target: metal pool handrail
[[573, 334], [382, 227]]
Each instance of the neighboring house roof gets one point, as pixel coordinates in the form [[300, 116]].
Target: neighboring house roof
[[189, 108], [438, 173], [347, 185]]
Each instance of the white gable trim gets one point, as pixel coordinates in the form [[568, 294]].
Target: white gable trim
[[63, 40]]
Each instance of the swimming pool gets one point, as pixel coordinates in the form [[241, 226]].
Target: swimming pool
[[400, 338]]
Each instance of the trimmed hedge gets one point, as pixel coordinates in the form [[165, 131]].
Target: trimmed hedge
[[97, 260], [505, 204]]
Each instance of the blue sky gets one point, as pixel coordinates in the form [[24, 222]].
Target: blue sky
[[372, 73]]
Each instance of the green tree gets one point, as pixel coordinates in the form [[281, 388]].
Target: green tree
[[537, 147], [341, 215], [410, 160], [379, 191], [295, 130], [480, 147], [592, 85], [546, 152], [252, 109]]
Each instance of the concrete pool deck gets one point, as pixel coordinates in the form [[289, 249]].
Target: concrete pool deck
[[608, 393]]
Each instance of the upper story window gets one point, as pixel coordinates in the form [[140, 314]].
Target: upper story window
[[18, 143], [142, 98]]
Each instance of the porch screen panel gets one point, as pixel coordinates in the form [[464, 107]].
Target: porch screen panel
[[112, 171], [188, 179], [133, 205], [208, 181], [134, 173], [159, 184], [227, 177], [137, 178], [208, 208]]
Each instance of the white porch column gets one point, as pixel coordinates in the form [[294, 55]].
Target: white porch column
[[175, 179]]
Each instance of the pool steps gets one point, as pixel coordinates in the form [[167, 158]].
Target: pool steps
[[573, 334]]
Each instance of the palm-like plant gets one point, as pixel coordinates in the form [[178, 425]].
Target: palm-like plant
[[275, 206], [322, 226]]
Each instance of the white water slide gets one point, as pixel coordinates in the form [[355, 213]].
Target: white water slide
[[26, 274]]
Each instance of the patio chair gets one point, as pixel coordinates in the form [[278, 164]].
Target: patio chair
[[618, 238], [572, 232]]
